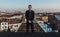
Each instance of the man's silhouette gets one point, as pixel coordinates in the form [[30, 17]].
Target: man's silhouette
[[29, 17]]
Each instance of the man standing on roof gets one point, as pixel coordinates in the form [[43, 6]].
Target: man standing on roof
[[30, 18]]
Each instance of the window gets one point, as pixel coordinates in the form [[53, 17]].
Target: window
[[58, 17], [16, 25]]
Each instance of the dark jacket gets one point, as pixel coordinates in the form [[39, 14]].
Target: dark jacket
[[29, 15]]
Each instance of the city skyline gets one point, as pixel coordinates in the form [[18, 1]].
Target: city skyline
[[38, 5]]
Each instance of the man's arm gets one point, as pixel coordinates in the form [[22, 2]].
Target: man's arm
[[33, 15]]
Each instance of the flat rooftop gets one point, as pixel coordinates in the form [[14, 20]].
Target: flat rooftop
[[23, 34]]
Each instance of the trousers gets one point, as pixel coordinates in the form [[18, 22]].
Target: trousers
[[29, 24]]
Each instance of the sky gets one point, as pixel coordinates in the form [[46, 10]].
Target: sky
[[38, 5]]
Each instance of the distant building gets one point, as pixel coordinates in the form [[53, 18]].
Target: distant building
[[4, 26]]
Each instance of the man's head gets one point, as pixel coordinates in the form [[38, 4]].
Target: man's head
[[30, 7]]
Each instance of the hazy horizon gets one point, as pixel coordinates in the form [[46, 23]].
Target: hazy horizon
[[38, 5]]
